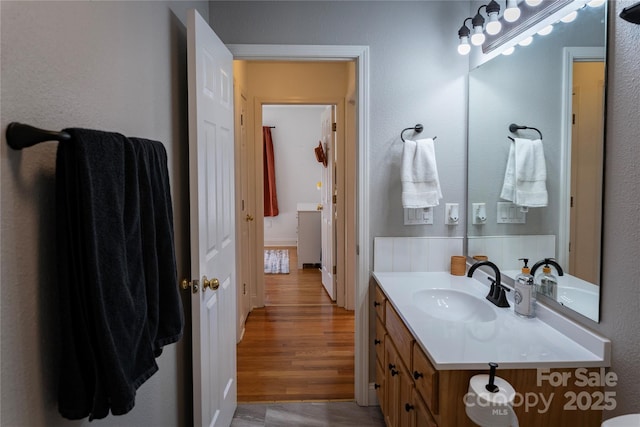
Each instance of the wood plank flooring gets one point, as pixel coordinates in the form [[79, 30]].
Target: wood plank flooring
[[299, 347]]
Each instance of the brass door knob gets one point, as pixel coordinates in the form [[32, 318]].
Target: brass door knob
[[186, 284], [212, 284], [248, 218]]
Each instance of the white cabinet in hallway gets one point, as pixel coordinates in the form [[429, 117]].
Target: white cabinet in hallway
[[309, 244]]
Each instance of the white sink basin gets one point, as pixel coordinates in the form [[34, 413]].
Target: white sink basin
[[453, 306]]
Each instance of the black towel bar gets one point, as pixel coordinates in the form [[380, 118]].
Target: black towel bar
[[21, 136]]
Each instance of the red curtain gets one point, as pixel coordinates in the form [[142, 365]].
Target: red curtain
[[270, 196]]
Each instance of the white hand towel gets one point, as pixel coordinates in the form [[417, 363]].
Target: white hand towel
[[526, 174], [419, 175]]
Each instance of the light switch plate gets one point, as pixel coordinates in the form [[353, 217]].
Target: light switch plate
[[418, 216], [510, 213]]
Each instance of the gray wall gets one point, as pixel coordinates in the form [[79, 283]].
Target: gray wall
[[620, 313], [106, 65], [416, 77]]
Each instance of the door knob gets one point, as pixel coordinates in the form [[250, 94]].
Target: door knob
[[248, 218], [186, 284], [212, 284]]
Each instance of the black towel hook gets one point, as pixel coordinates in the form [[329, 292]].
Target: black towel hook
[[21, 136], [513, 128]]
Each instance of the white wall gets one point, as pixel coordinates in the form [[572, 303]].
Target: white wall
[[298, 130], [118, 66]]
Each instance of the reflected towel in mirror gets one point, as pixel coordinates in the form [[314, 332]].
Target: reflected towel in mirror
[[525, 178]]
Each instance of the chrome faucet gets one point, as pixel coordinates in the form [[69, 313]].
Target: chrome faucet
[[497, 293]]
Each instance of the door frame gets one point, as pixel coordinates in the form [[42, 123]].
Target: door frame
[[361, 250], [569, 56]]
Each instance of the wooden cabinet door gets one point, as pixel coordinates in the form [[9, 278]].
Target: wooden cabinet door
[[392, 384], [420, 413]]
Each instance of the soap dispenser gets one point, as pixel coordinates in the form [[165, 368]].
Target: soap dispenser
[[547, 282], [525, 292]]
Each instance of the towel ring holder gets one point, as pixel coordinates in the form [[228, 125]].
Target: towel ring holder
[[417, 129], [513, 128]]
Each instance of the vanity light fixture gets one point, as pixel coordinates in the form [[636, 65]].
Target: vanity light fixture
[[463, 34], [570, 17], [526, 42], [493, 10], [509, 51], [477, 38], [546, 30], [595, 3], [512, 12]]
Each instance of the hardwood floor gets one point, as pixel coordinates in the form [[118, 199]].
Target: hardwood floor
[[300, 346]]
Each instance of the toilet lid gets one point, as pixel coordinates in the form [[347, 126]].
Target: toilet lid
[[631, 420]]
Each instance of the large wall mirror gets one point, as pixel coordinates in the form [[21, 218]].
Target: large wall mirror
[[556, 85]]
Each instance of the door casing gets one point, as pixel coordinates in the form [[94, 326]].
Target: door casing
[[358, 250]]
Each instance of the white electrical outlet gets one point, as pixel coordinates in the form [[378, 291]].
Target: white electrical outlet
[[418, 216], [479, 212], [451, 214]]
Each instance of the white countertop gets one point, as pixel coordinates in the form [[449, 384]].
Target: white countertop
[[509, 340]]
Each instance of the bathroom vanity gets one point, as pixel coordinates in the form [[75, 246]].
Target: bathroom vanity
[[434, 331]]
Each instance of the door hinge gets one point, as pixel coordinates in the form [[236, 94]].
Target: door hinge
[[571, 204], [335, 270], [573, 119], [335, 199], [334, 126], [244, 289], [241, 119]]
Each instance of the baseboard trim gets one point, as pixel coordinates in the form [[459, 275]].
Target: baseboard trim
[[373, 395]]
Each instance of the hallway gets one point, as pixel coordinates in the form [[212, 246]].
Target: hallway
[[300, 346]]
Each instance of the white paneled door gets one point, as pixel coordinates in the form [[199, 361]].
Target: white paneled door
[[327, 200], [211, 189]]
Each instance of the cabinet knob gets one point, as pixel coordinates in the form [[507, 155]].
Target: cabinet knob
[[408, 407], [417, 375], [376, 304], [376, 386], [377, 341]]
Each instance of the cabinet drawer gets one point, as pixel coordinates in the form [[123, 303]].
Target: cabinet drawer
[[379, 340], [399, 334], [426, 378], [378, 303]]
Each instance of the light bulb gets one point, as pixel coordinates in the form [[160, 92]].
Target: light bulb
[[546, 30], [570, 17], [526, 42], [595, 3], [477, 38], [493, 26], [509, 51], [464, 47], [512, 13], [533, 3]]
